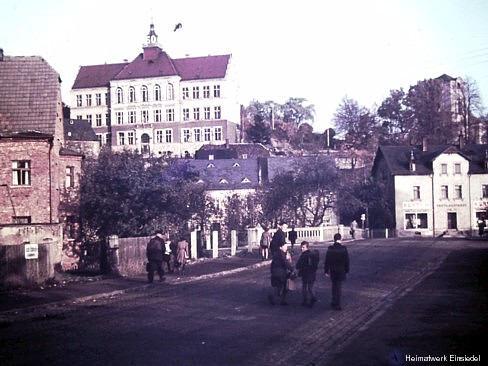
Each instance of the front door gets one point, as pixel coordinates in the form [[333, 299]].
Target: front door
[[145, 143], [452, 220]]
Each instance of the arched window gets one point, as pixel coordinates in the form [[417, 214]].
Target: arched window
[[120, 96], [144, 93], [157, 92], [170, 92], [132, 94]]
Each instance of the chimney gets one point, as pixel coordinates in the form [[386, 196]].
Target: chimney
[[1, 54], [412, 165], [425, 144], [461, 141]]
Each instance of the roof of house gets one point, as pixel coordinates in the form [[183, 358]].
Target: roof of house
[[190, 68], [97, 76], [29, 92], [445, 78], [78, 130], [397, 158], [226, 174], [239, 149]]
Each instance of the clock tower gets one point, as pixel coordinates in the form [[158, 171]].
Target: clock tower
[[151, 47], [152, 37]]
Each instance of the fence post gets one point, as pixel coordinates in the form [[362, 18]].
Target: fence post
[[193, 244], [252, 234], [341, 230], [233, 242], [215, 244], [208, 241]]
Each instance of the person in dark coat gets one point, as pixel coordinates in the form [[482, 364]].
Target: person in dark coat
[[154, 252], [336, 266], [279, 238], [307, 266], [281, 270], [292, 237]]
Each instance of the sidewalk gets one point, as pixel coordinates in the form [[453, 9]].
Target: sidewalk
[[70, 288]]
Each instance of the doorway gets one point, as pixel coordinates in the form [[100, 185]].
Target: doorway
[[145, 143], [452, 221]]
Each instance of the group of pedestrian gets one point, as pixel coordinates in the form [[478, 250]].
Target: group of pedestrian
[[336, 266], [161, 250]]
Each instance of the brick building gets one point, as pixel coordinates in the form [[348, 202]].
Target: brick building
[[39, 176]]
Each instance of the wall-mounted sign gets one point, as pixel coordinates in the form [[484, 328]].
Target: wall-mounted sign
[[31, 251]]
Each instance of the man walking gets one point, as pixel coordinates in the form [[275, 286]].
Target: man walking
[[307, 267], [336, 266], [154, 253]]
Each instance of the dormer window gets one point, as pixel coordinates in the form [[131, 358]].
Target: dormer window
[[224, 181], [245, 180], [210, 165], [236, 165]]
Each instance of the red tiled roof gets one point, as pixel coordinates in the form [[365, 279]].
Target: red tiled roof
[[97, 75], [207, 67], [140, 68], [29, 91], [191, 68]]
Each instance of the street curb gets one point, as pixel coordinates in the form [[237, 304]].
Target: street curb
[[34, 310]]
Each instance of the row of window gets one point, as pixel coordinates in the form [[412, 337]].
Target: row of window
[[205, 134], [157, 116], [445, 193], [458, 192], [98, 119], [457, 168], [21, 174], [143, 95], [134, 96], [88, 100]]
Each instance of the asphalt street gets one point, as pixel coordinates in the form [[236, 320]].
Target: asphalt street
[[404, 300]]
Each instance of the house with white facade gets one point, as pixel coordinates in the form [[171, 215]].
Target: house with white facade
[[159, 105], [436, 190]]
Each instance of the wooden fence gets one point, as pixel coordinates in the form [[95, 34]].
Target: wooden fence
[[18, 271]]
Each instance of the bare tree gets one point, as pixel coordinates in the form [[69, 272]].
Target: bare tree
[[471, 109]]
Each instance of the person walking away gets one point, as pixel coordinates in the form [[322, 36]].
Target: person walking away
[[154, 254], [182, 255], [279, 238], [281, 270], [336, 266], [264, 244], [167, 258], [307, 266], [292, 237], [352, 231]]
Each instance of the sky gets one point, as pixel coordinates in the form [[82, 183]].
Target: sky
[[319, 50]]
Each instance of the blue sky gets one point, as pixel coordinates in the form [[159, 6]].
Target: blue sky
[[318, 50]]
